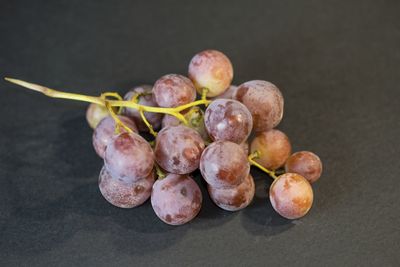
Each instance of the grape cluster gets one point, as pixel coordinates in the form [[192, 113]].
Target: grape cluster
[[216, 140]]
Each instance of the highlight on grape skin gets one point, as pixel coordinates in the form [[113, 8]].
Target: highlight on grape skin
[[174, 90], [291, 195], [95, 113], [224, 164], [264, 101], [125, 193], [178, 149], [176, 199], [274, 147], [305, 163], [233, 198], [211, 69], [105, 132], [228, 120], [129, 157]]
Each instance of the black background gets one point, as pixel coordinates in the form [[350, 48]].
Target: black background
[[336, 62]]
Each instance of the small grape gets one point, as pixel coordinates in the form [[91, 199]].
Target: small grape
[[176, 199], [265, 102], [224, 164], [228, 120], [178, 149], [95, 113], [125, 193], [274, 147], [146, 98], [228, 94], [234, 198], [105, 131], [291, 195], [174, 90], [129, 156], [211, 69], [305, 163]]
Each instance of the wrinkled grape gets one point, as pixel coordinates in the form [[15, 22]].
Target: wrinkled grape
[[265, 102], [224, 164], [95, 113], [291, 195], [305, 163], [234, 198], [274, 147], [178, 149], [105, 131], [129, 156], [211, 69], [176, 199], [174, 90], [228, 120], [125, 193]]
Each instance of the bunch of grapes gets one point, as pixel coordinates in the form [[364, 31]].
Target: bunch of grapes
[[216, 140]]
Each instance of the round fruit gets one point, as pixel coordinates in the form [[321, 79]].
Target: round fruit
[[173, 90], [95, 113], [305, 163]]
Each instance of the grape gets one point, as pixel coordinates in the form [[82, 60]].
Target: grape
[[176, 199], [274, 147], [178, 149], [211, 69], [305, 163], [228, 94], [224, 164], [125, 193], [95, 113], [291, 195], [234, 198], [245, 147], [129, 156], [228, 120], [174, 90], [146, 99], [265, 102], [105, 131]]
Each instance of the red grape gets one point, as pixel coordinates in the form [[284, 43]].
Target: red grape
[[234, 198], [224, 164], [228, 94], [173, 90], [176, 199], [305, 163], [125, 193], [291, 195], [211, 69], [129, 156], [265, 102], [228, 120], [178, 149], [95, 113], [245, 147]]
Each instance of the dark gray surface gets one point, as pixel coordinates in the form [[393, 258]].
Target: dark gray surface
[[336, 62]]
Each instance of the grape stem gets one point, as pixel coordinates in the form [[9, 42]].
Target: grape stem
[[256, 154]]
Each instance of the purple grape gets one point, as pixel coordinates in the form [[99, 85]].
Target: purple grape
[[228, 94], [129, 156], [105, 131], [305, 163], [173, 90], [224, 164], [125, 193], [176, 199], [178, 149], [228, 120], [95, 113]]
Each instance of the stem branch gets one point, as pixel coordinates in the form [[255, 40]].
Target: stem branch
[[256, 154]]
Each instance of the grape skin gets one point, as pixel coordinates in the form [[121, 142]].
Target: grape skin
[[245, 147], [228, 120], [176, 199], [105, 131], [211, 69], [174, 90], [129, 157], [305, 163], [265, 102], [228, 94], [224, 164], [235, 198], [291, 195], [178, 149], [95, 113], [124, 193], [146, 100], [274, 147]]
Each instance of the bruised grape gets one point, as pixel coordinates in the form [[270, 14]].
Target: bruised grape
[[95, 113], [305, 163], [174, 90]]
